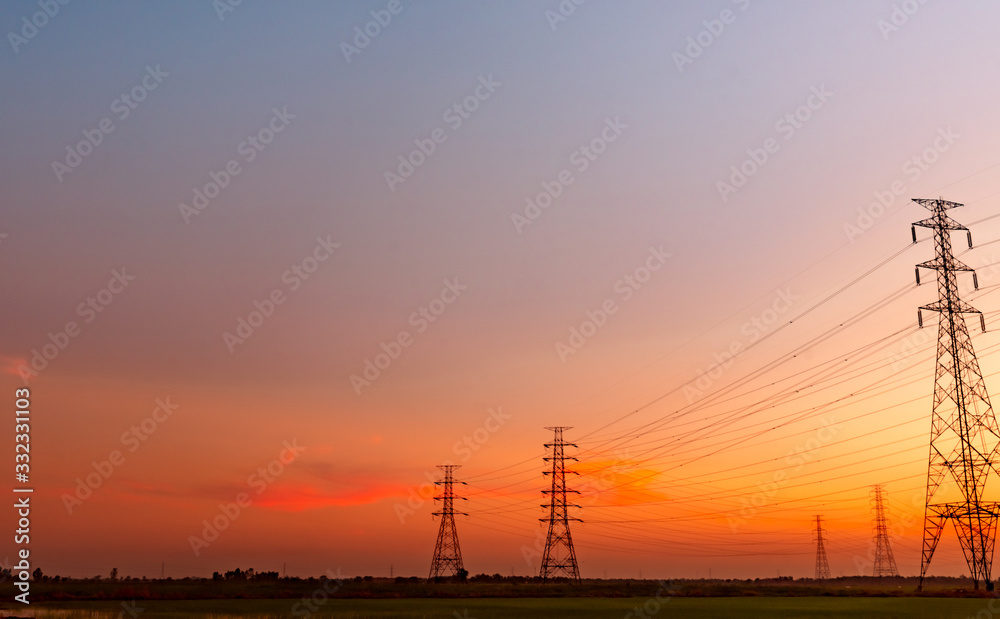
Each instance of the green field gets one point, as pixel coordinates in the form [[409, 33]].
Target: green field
[[488, 597], [488, 608]]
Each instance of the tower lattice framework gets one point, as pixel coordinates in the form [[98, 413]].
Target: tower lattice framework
[[447, 559], [964, 434], [885, 563], [559, 557], [822, 566]]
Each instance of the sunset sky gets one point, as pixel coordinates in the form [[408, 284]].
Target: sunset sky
[[279, 237]]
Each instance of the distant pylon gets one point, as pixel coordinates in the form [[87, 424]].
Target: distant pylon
[[447, 559], [822, 567], [964, 433], [885, 563], [559, 557]]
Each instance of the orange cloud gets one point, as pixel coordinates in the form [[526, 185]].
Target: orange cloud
[[9, 365], [616, 482], [301, 498], [284, 494]]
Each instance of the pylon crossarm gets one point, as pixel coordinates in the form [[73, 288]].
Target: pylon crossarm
[[934, 203], [955, 307], [946, 222]]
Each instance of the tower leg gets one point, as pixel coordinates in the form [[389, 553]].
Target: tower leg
[[933, 525]]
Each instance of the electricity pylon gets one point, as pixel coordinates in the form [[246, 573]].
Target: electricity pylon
[[822, 567], [559, 556], [964, 434], [885, 563], [447, 559]]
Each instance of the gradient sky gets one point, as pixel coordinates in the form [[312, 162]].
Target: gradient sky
[[674, 482]]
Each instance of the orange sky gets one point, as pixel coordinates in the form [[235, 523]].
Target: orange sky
[[383, 330]]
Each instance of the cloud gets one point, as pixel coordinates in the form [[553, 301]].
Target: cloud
[[9, 365], [301, 498], [618, 482], [287, 492]]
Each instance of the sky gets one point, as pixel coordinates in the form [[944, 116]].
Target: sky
[[268, 265]]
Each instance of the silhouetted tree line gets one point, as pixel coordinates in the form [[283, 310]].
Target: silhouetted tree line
[[247, 574]]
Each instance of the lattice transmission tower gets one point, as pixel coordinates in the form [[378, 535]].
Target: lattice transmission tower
[[885, 563], [964, 434], [822, 566], [559, 557], [447, 559]]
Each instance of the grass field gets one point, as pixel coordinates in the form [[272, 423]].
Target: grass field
[[853, 597], [79, 590], [554, 608]]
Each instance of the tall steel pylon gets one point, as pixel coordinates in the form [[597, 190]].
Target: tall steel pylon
[[559, 557], [447, 559], [964, 434], [885, 563], [822, 566]]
